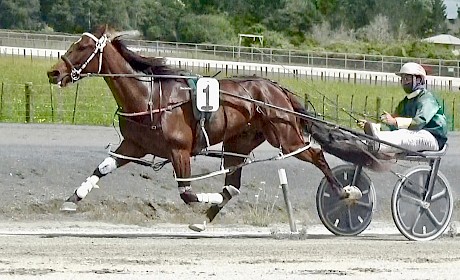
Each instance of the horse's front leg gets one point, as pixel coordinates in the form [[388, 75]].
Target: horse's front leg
[[181, 163], [180, 160], [108, 165]]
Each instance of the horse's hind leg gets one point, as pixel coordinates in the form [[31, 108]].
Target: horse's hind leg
[[242, 144], [291, 140], [316, 157], [109, 164]]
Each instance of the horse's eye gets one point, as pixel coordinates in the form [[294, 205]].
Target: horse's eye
[[81, 47]]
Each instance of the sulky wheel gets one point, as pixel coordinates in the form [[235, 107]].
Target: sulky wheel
[[343, 216], [415, 218]]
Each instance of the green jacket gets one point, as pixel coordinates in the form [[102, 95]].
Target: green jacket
[[426, 113]]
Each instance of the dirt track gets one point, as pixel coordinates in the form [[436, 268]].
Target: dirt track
[[310, 257], [41, 165]]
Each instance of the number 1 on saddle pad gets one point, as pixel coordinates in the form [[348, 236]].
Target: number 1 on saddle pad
[[207, 97]]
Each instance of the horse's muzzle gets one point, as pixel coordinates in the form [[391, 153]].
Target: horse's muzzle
[[56, 77], [53, 76]]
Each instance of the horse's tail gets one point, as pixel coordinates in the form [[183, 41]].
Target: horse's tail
[[341, 144]]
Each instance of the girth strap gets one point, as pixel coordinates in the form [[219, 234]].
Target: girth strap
[[153, 111]]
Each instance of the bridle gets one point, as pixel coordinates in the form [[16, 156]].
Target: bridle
[[75, 73]]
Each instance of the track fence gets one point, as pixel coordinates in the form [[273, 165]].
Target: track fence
[[87, 104]]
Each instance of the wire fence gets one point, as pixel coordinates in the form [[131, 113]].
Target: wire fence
[[86, 104], [45, 103]]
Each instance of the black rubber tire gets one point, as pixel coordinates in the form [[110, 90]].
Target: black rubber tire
[[340, 216], [414, 219]]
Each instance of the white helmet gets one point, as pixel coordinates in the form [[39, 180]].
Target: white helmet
[[412, 68]]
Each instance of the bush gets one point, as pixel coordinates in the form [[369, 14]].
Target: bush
[[215, 29]]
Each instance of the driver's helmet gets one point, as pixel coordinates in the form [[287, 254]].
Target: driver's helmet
[[412, 68]]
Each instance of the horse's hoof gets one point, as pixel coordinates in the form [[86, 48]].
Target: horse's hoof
[[69, 206], [212, 212], [198, 227]]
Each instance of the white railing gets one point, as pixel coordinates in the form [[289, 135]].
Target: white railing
[[232, 68]]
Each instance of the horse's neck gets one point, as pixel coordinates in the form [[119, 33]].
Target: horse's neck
[[131, 94]]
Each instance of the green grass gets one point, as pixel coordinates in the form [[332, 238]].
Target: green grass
[[95, 105], [94, 102]]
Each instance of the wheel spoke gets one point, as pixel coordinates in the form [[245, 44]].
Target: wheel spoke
[[350, 222], [439, 195], [342, 216], [408, 198], [433, 217], [412, 191], [365, 205], [339, 206], [419, 214]]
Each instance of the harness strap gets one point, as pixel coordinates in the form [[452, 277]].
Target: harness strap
[[153, 111], [298, 151]]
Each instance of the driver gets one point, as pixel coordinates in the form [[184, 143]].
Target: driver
[[418, 122]]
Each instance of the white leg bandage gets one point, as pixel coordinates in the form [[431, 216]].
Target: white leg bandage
[[214, 198], [108, 165], [217, 198], [87, 186]]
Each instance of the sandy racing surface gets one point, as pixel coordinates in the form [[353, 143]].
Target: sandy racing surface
[[134, 226], [154, 256]]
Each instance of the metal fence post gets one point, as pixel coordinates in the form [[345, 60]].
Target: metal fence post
[[284, 186], [29, 102]]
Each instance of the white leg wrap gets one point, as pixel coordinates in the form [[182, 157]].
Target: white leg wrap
[[354, 193], [214, 198], [232, 190], [87, 186], [108, 165]]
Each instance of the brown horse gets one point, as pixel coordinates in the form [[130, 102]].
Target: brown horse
[[158, 118]]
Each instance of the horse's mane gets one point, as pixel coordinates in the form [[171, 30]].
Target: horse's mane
[[147, 65]]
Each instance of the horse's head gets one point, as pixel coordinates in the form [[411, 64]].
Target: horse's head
[[84, 56]]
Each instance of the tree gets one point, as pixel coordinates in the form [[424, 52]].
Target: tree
[[79, 16], [111, 12], [378, 31], [158, 20], [295, 19], [214, 29], [394, 11], [20, 14], [438, 16], [202, 7], [58, 15]]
